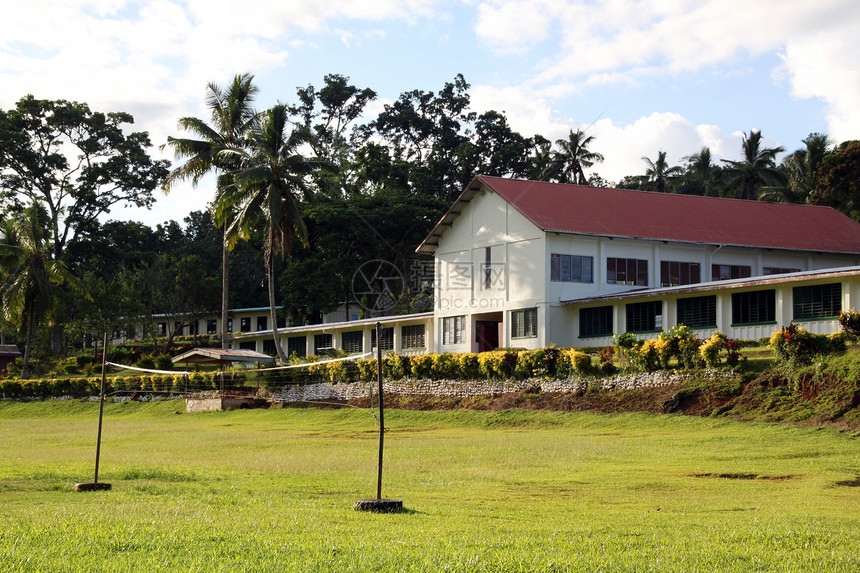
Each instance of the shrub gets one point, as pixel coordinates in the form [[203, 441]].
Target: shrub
[[688, 352], [532, 363], [70, 365], [849, 320], [422, 366], [711, 348], [396, 367], [469, 367], [572, 362], [445, 367], [163, 362], [797, 345], [647, 355], [145, 361], [604, 355], [497, 364], [336, 372], [366, 369]]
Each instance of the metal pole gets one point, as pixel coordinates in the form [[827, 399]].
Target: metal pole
[[101, 409], [381, 413]]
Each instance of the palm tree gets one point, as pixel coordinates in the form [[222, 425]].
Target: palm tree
[[231, 119], [701, 173], [802, 165], [572, 157], [757, 171], [659, 175], [265, 189], [31, 277]]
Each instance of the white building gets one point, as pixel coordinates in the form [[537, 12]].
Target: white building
[[529, 264]]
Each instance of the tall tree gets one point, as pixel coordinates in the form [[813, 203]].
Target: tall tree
[[31, 276], [701, 174], [802, 167], [658, 175], [756, 171], [266, 188], [231, 116], [839, 180], [77, 162], [572, 157]]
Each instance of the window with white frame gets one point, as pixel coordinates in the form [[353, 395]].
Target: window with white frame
[[453, 329], [524, 323]]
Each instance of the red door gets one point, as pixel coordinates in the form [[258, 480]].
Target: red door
[[486, 335]]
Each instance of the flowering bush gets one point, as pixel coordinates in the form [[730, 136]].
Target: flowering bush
[[849, 320], [796, 344], [711, 348], [572, 362]]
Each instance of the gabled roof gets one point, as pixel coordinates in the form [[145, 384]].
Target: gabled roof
[[577, 209], [220, 355]]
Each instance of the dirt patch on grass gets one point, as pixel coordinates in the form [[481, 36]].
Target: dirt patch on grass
[[746, 476]]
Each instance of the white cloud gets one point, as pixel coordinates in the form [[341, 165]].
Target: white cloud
[[624, 146], [624, 40]]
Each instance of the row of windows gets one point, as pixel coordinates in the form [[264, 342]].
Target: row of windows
[[352, 342], [622, 271], [212, 325], [752, 307]]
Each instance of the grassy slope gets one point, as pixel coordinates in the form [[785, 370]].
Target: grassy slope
[[826, 392], [486, 491]]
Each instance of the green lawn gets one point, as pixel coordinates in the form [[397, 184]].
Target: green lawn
[[272, 490]]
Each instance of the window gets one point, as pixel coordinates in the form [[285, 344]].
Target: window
[[571, 268], [387, 339], [595, 321], [193, 328], [453, 329], [524, 323], [269, 347], [245, 324], [229, 325], [488, 268], [297, 345], [645, 316], [627, 271], [352, 342], [778, 270], [413, 336], [322, 342], [817, 301], [674, 273], [726, 272], [698, 312], [161, 329], [758, 306], [248, 345], [211, 326], [261, 323]]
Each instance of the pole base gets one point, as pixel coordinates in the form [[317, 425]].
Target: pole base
[[379, 505], [92, 486]]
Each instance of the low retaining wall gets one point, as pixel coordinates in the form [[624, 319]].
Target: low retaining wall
[[466, 388]]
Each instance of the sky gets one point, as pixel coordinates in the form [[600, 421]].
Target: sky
[[640, 76]]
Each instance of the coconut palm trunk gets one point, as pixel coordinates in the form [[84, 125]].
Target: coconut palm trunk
[[225, 289]]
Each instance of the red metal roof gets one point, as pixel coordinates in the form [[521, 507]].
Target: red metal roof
[[663, 216]]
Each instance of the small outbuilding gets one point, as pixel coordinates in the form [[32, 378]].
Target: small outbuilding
[[222, 357], [8, 354]]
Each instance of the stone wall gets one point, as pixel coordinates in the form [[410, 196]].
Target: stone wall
[[465, 388]]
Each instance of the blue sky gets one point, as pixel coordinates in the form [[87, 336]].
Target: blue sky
[[641, 76]]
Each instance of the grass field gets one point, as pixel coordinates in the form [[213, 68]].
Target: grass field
[[272, 490]]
